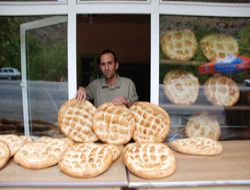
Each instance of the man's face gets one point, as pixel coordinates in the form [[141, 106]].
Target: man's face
[[108, 65]]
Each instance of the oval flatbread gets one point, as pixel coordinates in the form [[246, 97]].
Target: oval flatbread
[[75, 120], [197, 146], [152, 123], [4, 154], [43, 153], [181, 87], [221, 91], [86, 160], [203, 125], [219, 46], [149, 160], [179, 44], [113, 124], [14, 142]]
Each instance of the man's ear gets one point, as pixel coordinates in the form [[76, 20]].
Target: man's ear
[[117, 65]]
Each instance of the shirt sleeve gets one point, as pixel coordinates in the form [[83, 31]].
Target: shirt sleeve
[[132, 92]]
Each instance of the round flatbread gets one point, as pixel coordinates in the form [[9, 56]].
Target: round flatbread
[[203, 125], [219, 46], [113, 124], [4, 154], [152, 123], [179, 44], [149, 160], [181, 87], [75, 120], [86, 160], [221, 91], [197, 146], [115, 151]]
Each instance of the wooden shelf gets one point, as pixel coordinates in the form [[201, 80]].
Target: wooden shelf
[[179, 62]]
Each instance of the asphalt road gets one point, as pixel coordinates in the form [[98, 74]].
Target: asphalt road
[[44, 99]]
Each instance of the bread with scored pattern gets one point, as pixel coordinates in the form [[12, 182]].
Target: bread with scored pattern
[[113, 124], [75, 120], [149, 160], [152, 123]]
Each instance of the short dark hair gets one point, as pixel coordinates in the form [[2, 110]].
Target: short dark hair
[[108, 51]]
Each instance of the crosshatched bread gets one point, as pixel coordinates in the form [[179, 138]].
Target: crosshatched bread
[[43, 153], [85, 160], [75, 120], [197, 146], [113, 124], [116, 152], [203, 125], [218, 46], [152, 123], [221, 91], [181, 87], [4, 154], [179, 44], [149, 160], [14, 142]]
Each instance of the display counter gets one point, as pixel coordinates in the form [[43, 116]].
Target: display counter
[[231, 170], [13, 176]]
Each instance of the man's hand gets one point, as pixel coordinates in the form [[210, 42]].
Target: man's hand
[[120, 100], [81, 94]]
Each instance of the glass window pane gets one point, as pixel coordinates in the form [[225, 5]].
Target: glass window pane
[[207, 50], [46, 54]]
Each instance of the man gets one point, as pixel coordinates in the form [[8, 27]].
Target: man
[[110, 88]]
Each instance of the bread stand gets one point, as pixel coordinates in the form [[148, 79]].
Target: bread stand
[[229, 170]]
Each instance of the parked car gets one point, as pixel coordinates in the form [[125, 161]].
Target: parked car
[[247, 82], [9, 73]]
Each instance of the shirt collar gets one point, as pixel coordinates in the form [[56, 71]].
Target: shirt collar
[[117, 84]]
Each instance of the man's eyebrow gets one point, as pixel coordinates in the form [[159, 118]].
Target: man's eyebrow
[[108, 62]]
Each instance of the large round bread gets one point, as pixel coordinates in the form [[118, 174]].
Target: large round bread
[[149, 160], [4, 154], [179, 44], [14, 142], [43, 153], [152, 123], [218, 46], [113, 124], [221, 91], [75, 120], [197, 146], [203, 125], [181, 87], [85, 160]]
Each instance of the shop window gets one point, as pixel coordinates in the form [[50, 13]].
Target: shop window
[[204, 48], [127, 35]]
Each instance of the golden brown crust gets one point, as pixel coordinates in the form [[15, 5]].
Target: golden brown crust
[[181, 87], [43, 153], [221, 91], [4, 154], [116, 152], [85, 160], [179, 44], [14, 142], [218, 46], [149, 160], [113, 124], [75, 120], [152, 123], [203, 125], [197, 146]]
